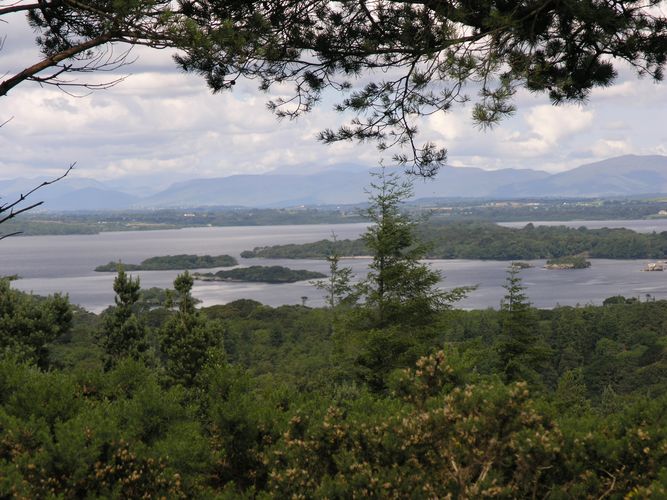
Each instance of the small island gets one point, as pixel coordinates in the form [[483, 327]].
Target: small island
[[521, 265], [173, 262], [654, 266], [261, 274], [568, 262]]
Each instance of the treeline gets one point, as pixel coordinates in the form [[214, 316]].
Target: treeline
[[564, 209], [171, 262], [138, 220], [317, 250], [479, 240]]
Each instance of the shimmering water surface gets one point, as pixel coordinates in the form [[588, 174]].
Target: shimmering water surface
[[49, 264]]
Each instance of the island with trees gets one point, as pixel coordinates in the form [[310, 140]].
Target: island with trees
[[172, 262], [261, 274], [568, 262]]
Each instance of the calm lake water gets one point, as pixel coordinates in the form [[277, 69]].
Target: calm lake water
[[49, 264]]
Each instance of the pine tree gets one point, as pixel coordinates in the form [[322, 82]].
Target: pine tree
[[520, 349], [28, 324], [398, 286], [571, 393], [123, 332], [338, 289], [188, 340]]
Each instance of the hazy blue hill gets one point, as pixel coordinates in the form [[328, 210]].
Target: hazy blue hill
[[267, 190], [345, 183], [472, 182], [91, 199], [329, 186], [620, 176], [68, 194]]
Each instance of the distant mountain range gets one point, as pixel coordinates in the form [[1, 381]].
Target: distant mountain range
[[344, 184]]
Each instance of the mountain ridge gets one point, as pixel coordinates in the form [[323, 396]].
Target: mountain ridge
[[628, 175]]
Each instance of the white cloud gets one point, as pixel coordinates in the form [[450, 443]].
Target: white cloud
[[625, 89], [451, 125], [552, 123], [605, 148]]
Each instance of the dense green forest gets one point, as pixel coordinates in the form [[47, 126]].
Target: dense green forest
[[168, 262], [388, 392], [262, 274], [275, 402], [481, 240]]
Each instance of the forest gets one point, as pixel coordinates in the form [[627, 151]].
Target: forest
[[389, 391], [254, 401]]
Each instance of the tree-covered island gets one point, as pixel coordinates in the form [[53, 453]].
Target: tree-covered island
[[261, 274], [487, 241], [568, 262], [172, 262]]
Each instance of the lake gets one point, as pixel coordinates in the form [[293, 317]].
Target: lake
[[49, 264]]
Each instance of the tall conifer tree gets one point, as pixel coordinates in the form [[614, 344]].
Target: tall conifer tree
[[398, 286], [123, 332]]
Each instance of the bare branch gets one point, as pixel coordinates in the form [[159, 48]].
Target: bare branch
[[14, 213], [12, 207], [3, 236]]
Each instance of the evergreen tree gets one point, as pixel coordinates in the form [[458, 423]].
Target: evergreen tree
[[338, 289], [398, 286], [28, 324], [520, 349], [123, 332], [188, 339], [571, 393]]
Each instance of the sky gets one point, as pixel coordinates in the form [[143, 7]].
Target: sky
[[159, 126]]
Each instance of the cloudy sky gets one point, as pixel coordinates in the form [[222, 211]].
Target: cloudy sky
[[160, 125]]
